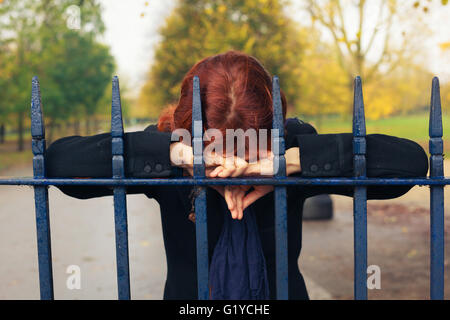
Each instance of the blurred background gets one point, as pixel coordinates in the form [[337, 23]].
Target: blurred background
[[315, 47]]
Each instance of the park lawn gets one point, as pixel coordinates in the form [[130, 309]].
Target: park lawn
[[414, 127]]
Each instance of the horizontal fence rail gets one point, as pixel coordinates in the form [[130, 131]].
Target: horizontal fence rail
[[119, 182], [288, 181]]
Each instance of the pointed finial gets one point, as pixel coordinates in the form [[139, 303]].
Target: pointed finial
[[359, 122], [435, 125], [116, 110], [37, 119], [197, 129], [277, 122]]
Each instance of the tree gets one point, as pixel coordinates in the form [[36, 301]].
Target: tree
[[18, 35], [78, 71], [356, 49], [200, 28], [37, 40], [352, 52], [323, 83]]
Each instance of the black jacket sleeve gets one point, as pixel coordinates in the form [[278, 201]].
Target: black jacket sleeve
[[331, 155], [146, 155]]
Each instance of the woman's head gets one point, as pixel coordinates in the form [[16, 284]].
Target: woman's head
[[236, 93]]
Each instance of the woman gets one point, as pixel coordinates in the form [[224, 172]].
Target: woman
[[236, 93]]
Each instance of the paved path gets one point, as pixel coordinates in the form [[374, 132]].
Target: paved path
[[83, 235]]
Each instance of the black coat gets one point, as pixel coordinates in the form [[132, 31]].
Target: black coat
[[147, 156]]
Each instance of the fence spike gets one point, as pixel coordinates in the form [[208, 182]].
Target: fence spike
[[37, 122], [280, 194], [360, 193], [120, 194], [437, 229], [116, 110], [278, 121], [201, 221], [197, 130], [41, 194], [435, 125], [359, 122]]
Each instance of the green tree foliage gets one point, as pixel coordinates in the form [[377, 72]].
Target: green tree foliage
[[73, 67], [78, 70], [200, 28]]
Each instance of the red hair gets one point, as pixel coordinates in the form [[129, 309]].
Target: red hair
[[236, 92]]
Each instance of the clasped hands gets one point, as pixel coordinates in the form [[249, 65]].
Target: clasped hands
[[237, 197]]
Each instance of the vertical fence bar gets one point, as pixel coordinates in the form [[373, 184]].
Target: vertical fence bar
[[41, 194], [201, 220], [360, 194], [436, 146], [120, 195], [281, 243]]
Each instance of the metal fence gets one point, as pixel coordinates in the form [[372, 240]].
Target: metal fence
[[119, 183]]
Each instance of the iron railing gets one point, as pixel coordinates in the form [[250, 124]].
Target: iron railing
[[119, 182]]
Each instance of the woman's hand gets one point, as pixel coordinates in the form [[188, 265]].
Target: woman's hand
[[230, 167], [181, 155], [236, 196], [237, 199], [265, 166]]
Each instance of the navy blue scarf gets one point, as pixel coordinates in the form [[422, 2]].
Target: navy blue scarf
[[238, 268]]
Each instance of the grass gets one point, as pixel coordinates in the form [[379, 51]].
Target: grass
[[414, 127], [12, 159]]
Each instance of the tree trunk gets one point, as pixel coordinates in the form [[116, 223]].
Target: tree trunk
[[67, 128], [20, 144], [2, 133], [96, 126], [88, 126], [76, 127]]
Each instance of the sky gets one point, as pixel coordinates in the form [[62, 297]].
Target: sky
[[133, 37], [132, 33]]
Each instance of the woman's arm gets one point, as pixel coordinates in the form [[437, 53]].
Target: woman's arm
[[331, 155], [146, 155]]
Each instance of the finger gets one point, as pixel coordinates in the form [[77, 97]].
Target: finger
[[208, 171], [240, 201], [190, 171], [213, 159], [240, 166], [238, 171], [233, 167], [214, 173], [255, 195], [237, 204], [226, 172], [252, 169], [229, 198]]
